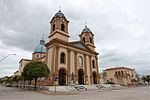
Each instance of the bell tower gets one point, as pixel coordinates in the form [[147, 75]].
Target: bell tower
[[59, 27], [87, 37]]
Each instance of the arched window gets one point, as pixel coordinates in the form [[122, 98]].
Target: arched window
[[90, 40], [122, 73], [62, 27], [84, 39], [54, 27], [80, 61], [43, 55], [93, 63], [119, 73], [37, 56], [62, 58], [116, 73]]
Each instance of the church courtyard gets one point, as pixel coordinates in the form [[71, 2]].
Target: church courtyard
[[134, 93]]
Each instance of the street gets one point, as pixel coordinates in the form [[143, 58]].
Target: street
[[135, 93]]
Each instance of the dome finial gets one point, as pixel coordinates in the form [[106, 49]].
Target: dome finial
[[42, 36], [59, 8], [85, 24], [86, 29]]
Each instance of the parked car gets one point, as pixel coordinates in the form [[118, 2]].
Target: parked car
[[110, 83], [8, 85]]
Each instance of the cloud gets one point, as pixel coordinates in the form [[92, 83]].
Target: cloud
[[121, 29]]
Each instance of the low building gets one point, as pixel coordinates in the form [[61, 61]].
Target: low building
[[103, 77], [121, 75]]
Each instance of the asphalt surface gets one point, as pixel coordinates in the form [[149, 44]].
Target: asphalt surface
[[136, 93]]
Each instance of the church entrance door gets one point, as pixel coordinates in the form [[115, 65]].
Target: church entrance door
[[94, 78], [80, 77], [62, 77]]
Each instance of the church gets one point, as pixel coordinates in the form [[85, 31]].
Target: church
[[75, 61]]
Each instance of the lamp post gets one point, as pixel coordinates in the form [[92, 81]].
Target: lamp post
[[6, 57]]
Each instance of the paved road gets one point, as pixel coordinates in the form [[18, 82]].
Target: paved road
[[138, 93]]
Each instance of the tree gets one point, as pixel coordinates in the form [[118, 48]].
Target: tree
[[10, 80], [5, 80], [134, 80], [20, 78], [35, 70], [15, 79], [26, 77], [146, 78]]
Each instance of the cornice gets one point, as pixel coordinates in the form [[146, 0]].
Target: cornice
[[71, 45]]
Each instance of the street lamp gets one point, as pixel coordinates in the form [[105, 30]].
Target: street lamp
[[6, 57]]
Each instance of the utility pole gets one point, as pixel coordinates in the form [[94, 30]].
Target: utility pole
[[6, 57]]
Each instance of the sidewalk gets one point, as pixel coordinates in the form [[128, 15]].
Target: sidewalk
[[78, 92]]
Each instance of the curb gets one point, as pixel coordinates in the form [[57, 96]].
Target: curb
[[56, 93]]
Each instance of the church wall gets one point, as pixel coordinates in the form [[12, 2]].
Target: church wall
[[78, 55], [93, 69], [43, 59], [22, 64], [62, 65], [59, 36], [88, 69], [37, 55], [65, 49], [72, 65], [49, 58]]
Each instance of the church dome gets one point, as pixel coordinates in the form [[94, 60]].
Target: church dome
[[86, 29], [59, 13], [40, 48]]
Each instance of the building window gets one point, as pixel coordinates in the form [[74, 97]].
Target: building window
[[62, 58], [62, 27], [43, 55], [119, 73], [122, 73], [116, 73], [126, 73], [21, 64], [80, 61], [54, 27], [37, 56], [93, 63], [83, 39], [90, 40]]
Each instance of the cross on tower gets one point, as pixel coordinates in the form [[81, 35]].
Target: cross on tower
[[59, 7], [85, 23], [42, 36]]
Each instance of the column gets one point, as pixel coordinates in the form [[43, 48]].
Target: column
[[56, 73], [68, 68], [98, 78], [76, 72], [52, 67], [85, 70], [91, 82]]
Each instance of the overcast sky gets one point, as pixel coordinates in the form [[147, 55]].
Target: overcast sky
[[121, 29]]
